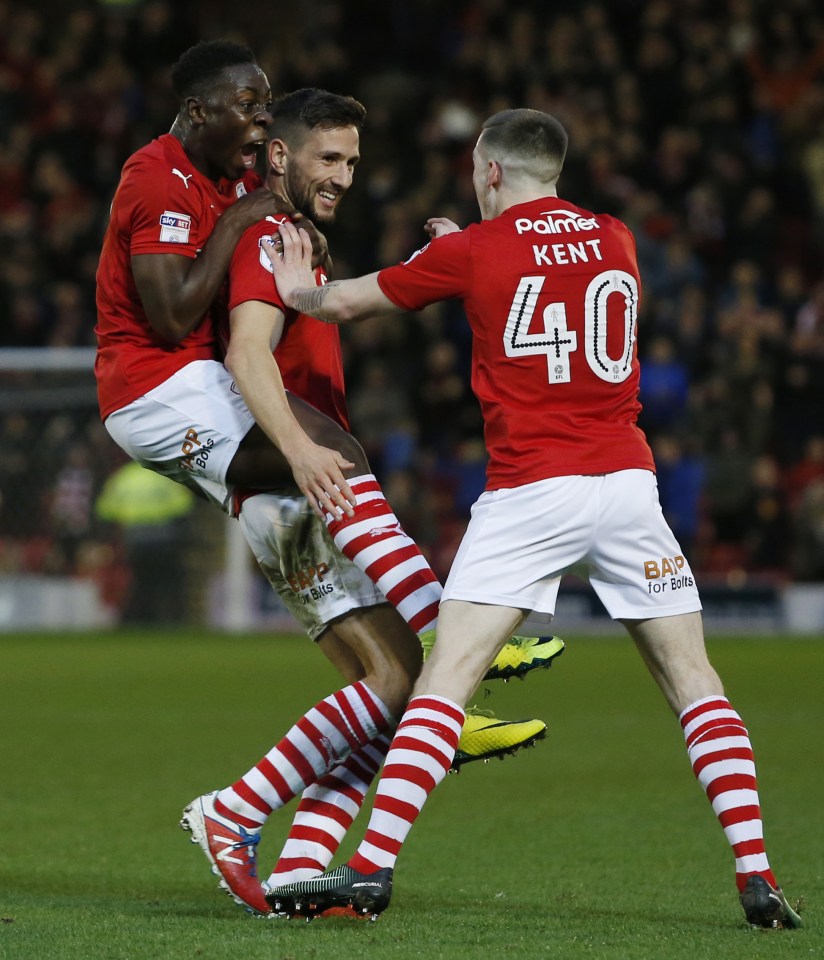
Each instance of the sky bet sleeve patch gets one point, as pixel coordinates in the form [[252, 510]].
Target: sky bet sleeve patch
[[174, 227]]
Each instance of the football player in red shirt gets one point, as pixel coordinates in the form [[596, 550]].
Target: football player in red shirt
[[181, 206], [551, 293], [335, 750]]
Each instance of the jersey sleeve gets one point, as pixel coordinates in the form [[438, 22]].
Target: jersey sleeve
[[250, 272], [439, 271], [165, 215]]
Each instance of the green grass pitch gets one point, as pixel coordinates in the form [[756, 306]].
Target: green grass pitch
[[596, 844]]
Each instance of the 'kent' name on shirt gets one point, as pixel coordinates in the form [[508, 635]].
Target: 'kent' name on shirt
[[553, 254]]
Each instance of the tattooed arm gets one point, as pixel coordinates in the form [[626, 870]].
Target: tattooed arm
[[340, 301]]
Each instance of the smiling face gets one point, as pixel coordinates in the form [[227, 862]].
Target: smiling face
[[317, 169], [232, 122]]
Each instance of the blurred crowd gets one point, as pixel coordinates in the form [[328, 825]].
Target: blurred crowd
[[699, 123]]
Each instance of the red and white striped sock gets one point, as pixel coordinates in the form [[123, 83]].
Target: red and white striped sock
[[420, 756], [326, 812], [375, 542], [328, 733], [721, 756]]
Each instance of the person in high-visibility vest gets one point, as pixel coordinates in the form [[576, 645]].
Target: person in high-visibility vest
[[151, 511]]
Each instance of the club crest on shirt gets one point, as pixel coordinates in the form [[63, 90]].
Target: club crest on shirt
[[174, 227], [264, 260]]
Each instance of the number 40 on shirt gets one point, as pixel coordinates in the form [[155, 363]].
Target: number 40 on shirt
[[558, 341]]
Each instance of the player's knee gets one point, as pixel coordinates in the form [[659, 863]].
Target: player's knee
[[354, 452], [327, 433]]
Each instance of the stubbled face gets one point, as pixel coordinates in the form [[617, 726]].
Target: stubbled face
[[234, 121], [319, 171]]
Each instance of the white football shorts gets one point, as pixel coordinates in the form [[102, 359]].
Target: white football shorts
[[608, 529], [187, 428], [314, 579]]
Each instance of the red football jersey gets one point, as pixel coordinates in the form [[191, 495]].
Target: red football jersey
[[551, 293], [162, 205], [309, 353]]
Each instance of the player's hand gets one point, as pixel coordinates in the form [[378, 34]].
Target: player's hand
[[439, 227], [318, 472], [320, 248], [258, 205], [291, 265], [262, 203]]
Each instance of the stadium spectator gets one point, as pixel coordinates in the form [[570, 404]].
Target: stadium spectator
[[808, 555], [765, 539], [681, 481], [805, 471], [380, 407], [151, 513], [664, 387], [71, 511]]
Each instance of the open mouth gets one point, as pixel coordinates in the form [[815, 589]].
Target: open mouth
[[249, 152]]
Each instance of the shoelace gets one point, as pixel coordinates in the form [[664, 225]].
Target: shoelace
[[250, 840]]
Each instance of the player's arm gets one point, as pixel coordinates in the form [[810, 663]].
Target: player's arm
[[255, 330], [341, 301], [176, 291]]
